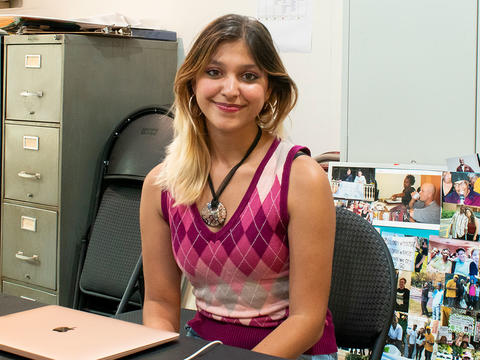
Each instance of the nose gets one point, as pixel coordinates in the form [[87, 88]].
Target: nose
[[230, 87]]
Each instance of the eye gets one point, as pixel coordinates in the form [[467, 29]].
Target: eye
[[213, 73], [250, 76]]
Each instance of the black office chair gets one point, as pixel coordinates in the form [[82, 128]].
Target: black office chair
[[362, 293], [112, 245]]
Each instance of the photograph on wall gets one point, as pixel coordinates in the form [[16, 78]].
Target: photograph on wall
[[396, 345], [465, 163], [460, 292], [409, 196], [355, 183], [461, 188], [460, 222], [408, 247], [458, 339], [422, 289], [403, 291], [453, 256], [415, 334], [359, 207], [444, 349], [402, 249]]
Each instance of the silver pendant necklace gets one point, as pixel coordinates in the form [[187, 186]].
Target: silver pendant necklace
[[214, 212]]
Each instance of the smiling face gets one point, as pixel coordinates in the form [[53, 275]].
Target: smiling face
[[461, 187], [445, 253], [475, 256], [232, 89], [447, 177]]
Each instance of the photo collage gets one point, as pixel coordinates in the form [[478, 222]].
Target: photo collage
[[429, 219]]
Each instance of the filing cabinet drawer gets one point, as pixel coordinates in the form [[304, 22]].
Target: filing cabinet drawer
[[34, 82], [29, 293], [29, 245], [31, 163]]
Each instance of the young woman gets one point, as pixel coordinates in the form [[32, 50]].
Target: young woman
[[472, 225], [249, 224], [408, 188], [447, 185]]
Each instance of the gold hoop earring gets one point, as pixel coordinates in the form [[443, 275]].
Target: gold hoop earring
[[199, 111], [272, 110], [190, 103], [261, 118]]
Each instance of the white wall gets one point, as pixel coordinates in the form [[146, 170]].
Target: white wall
[[315, 122]]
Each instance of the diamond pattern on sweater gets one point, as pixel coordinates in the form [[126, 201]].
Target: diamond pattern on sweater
[[240, 274]]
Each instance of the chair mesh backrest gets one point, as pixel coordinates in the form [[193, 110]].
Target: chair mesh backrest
[[115, 243], [362, 294]]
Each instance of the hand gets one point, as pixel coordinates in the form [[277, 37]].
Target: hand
[[394, 197]]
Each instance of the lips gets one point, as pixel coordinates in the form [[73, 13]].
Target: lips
[[228, 107]]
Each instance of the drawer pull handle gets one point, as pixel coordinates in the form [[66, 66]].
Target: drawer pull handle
[[28, 93], [19, 255], [26, 175]]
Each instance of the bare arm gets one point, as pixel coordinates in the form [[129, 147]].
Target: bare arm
[[412, 202], [476, 228], [311, 233], [420, 262], [162, 276], [399, 195]]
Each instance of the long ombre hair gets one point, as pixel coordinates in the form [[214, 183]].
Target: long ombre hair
[[187, 164]]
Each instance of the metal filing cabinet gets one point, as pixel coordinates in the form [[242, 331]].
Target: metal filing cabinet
[[64, 94]]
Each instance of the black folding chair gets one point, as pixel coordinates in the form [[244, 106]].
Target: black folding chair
[[111, 248]]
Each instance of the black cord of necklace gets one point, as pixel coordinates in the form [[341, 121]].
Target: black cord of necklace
[[216, 195]]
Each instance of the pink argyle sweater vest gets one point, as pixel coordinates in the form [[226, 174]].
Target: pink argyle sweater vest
[[240, 274]]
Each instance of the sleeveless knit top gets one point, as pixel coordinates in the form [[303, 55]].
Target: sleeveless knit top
[[240, 274]]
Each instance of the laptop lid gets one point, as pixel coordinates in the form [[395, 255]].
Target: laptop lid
[[56, 332]]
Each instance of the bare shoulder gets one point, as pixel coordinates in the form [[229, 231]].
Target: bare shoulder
[[307, 174], [152, 191], [151, 178]]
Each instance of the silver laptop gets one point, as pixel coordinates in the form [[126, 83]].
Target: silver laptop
[[56, 332]]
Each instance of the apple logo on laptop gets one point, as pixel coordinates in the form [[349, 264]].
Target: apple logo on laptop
[[63, 329]]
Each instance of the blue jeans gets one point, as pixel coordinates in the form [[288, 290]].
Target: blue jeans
[[192, 333], [436, 312]]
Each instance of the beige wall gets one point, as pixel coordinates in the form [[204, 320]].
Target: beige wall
[[315, 122], [389, 184]]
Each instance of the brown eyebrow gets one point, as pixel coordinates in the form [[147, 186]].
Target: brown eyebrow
[[246, 66]]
